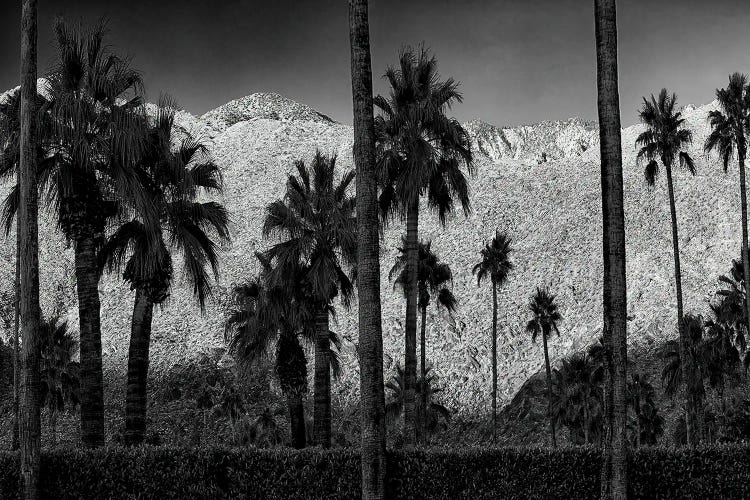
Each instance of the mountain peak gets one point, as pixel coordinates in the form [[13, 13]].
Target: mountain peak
[[261, 105]]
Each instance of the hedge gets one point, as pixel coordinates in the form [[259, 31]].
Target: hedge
[[512, 473]]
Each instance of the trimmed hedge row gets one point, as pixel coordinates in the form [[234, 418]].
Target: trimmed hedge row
[[512, 473]]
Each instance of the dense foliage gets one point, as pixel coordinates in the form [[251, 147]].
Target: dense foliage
[[715, 472]]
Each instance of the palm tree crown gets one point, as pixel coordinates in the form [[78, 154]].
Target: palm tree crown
[[433, 277], [316, 223], [495, 262], [419, 149], [664, 137], [174, 179], [545, 314], [730, 123]]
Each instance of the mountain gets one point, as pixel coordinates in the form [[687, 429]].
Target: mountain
[[538, 182]]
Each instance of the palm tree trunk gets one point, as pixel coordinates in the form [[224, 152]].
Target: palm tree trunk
[[687, 360], [28, 222], [322, 406], [614, 466], [410, 345], [92, 379], [549, 390], [422, 425], [494, 362], [296, 420], [372, 392], [14, 441], [741, 151], [136, 399]]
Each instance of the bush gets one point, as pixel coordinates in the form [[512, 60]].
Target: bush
[[164, 473]]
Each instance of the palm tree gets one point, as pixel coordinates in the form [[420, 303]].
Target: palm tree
[[435, 414], [316, 225], [545, 319], [60, 374], [664, 141], [372, 394], [432, 278], [420, 152], [614, 466], [647, 421], [721, 353], [578, 396], [174, 180], [264, 316], [729, 127], [28, 224], [96, 121], [674, 373], [496, 265]]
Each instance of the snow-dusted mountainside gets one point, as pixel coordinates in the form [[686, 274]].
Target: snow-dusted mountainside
[[538, 182]]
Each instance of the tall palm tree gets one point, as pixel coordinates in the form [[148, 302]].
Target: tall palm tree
[[614, 465], [28, 220], [96, 116], [729, 128], [372, 394], [496, 265], [433, 278], [174, 179], [317, 229], [664, 140], [60, 387], [421, 152], [544, 320]]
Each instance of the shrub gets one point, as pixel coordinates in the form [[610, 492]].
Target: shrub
[[512, 473]]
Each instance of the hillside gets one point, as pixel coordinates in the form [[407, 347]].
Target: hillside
[[539, 182]]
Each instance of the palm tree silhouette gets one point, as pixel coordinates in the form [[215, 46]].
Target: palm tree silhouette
[[729, 127], [544, 320], [647, 423], [92, 136], [420, 152], [60, 383], [674, 373], [174, 180], [578, 396], [435, 414], [316, 226], [433, 277], [496, 265], [372, 393], [663, 141]]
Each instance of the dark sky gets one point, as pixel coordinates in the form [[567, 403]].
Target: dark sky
[[519, 61]]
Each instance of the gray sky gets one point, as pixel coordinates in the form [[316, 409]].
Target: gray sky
[[519, 61]]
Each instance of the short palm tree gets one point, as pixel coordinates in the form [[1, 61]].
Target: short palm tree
[[143, 246], [60, 384], [647, 423], [435, 414], [420, 152], [544, 320], [664, 141], [496, 266], [729, 128], [578, 395], [315, 224], [433, 280], [264, 316], [674, 374]]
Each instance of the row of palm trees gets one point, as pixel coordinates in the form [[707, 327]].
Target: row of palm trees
[[123, 196]]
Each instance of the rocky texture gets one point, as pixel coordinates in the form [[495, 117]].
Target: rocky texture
[[538, 182]]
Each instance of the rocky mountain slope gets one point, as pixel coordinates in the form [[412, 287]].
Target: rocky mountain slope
[[538, 182]]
